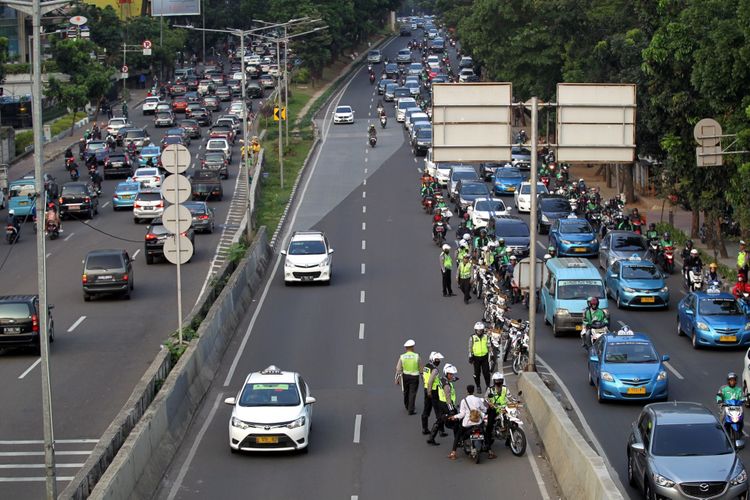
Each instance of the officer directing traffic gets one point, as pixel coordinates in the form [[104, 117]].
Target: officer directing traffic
[[408, 369]]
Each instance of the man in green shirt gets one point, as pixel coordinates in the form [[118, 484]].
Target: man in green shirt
[[730, 391]]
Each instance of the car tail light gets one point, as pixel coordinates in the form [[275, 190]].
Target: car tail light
[[137, 205], [184, 233], [125, 276], [34, 323], [115, 196], [160, 204], [203, 217], [84, 279], [87, 200], [151, 236]]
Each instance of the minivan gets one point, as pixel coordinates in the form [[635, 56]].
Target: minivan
[[568, 282], [404, 104], [105, 272], [459, 172]]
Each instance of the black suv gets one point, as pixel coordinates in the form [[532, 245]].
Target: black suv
[[117, 163], [550, 208], [19, 321], [107, 271], [217, 162], [78, 198], [157, 235], [254, 90], [516, 233], [206, 184]]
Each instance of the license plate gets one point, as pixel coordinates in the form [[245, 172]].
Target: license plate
[[579, 250], [74, 206], [267, 440], [105, 277], [647, 300], [12, 329], [728, 338], [306, 278], [579, 327], [511, 189], [636, 390], [22, 203], [148, 208]]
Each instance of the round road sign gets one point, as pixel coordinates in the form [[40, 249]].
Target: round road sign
[[176, 188], [706, 132], [146, 44], [78, 20], [174, 214], [124, 68], [175, 158], [170, 249]]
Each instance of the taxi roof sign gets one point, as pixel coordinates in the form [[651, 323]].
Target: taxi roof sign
[[271, 370], [634, 257], [625, 331], [713, 290]]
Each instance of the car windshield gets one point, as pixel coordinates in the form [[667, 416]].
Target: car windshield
[[630, 352], [519, 230], [719, 307], [687, 440], [520, 151], [14, 310], [554, 205], [117, 157], [627, 243], [508, 173], [311, 247], [401, 92], [576, 227], [149, 196], [216, 145], [473, 189], [579, 289], [215, 157], [540, 188], [134, 134], [196, 208], [424, 133], [489, 206], [175, 131], [21, 190], [374, 53], [269, 395], [463, 174], [343, 109], [111, 261], [415, 67], [96, 146], [127, 186], [640, 272], [172, 139]]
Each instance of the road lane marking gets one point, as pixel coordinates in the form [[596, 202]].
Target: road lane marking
[[68, 237], [362, 268], [40, 453], [364, 194], [75, 325], [364, 244], [361, 331], [364, 226], [360, 374], [365, 169], [33, 479], [105, 205], [541, 245], [33, 365], [361, 296], [537, 475], [364, 209], [177, 485], [415, 160], [366, 158], [673, 370], [47, 256], [136, 253], [357, 428]]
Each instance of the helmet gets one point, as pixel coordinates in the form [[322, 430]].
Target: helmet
[[547, 256], [634, 211], [409, 343], [466, 237], [483, 231], [550, 248], [580, 180], [479, 326], [466, 216], [446, 247], [731, 375], [665, 236], [689, 243], [513, 257], [652, 226], [436, 356], [493, 244], [693, 252], [712, 265], [463, 243], [593, 302], [437, 217], [485, 248], [449, 368], [501, 241], [497, 376]]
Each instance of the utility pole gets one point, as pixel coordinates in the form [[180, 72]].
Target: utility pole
[[281, 146], [532, 246], [286, 81]]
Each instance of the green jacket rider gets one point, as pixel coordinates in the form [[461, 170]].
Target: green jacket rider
[[730, 391], [593, 313]]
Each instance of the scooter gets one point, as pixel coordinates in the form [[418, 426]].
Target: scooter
[[74, 175], [439, 233], [11, 234], [695, 280], [383, 121], [474, 442], [373, 141], [52, 230], [733, 418], [592, 334]]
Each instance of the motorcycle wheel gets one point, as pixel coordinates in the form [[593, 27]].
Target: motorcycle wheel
[[476, 455], [53, 235], [517, 441], [520, 363]]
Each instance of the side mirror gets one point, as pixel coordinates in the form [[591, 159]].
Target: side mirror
[[689, 311], [615, 276], [665, 357], [230, 401], [310, 400], [594, 358], [739, 444], [283, 252], [637, 447], [330, 250]]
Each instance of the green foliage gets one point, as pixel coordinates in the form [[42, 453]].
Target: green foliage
[[301, 76], [23, 140], [89, 79]]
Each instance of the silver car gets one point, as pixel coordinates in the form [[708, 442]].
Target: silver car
[[622, 245], [679, 450]]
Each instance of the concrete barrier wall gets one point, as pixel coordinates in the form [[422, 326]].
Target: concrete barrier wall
[[580, 471]]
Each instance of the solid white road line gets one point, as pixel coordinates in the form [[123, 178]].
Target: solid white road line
[[364, 226], [194, 448], [32, 479], [364, 244], [47, 256], [75, 325], [361, 296], [673, 370], [357, 428], [33, 365], [68, 237], [537, 475], [360, 374], [136, 253], [361, 331], [362, 268], [39, 441], [40, 453]]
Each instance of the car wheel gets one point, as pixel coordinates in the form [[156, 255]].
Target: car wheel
[[599, 398], [694, 341], [86, 297], [619, 302], [211, 228], [679, 330], [631, 477], [555, 331]]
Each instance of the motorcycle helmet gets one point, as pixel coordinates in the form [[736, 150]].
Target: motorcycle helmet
[[593, 302], [435, 357], [513, 258], [449, 369], [665, 236], [463, 244], [740, 277], [482, 231], [485, 248], [478, 326], [713, 266], [731, 375], [501, 241], [493, 244], [437, 217], [498, 377], [689, 243], [446, 247], [652, 226], [693, 252], [467, 237], [546, 257]]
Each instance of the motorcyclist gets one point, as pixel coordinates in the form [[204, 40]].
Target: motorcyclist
[[96, 133], [12, 220], [111, 141], [68, 153], [372, 132], [713, 277], [53, 216], [463, 249], [636, 217], [552, 251], [686, 251], [471, 414], [730, 391], [437, 220], [624, 224], [741, 287], [381, 111], [693, 262], [666, 241], [591, 315], [497, 399], [652, 234], [591, 206], [96, 180], [481, 240], [464, 229]]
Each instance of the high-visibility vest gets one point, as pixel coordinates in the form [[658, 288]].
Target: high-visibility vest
[[410, 363], [464, 270], [447, 261], [441, 392], [499, 399], [479, 345], [426, 372]]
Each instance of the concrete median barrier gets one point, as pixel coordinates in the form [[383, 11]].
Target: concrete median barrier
[[580, 471]]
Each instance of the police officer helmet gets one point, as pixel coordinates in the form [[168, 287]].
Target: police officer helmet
[[446, 247], [479, 326], [731, 375], [498, 377], [449, 369]]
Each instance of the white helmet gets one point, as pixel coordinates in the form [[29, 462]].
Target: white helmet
[[467, 237], [485, 248], [497, 376], [463, 243], [436, 356], [513, 257], [410, 343], [449, 368], [693, 252], [478, 325], [547, 256], [493, 243], [446, 247]]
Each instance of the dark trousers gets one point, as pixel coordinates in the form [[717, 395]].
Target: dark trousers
[[447, 286], [430, 403], [442, 412], [409, 386], [489, 432], [481, 364], [465, 285]]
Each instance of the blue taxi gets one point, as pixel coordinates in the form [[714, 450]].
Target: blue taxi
[[573, 236], [624, 366], [152, 152], [636, 283], [125, 193], [712, 318], [507, 180], [21, 196]]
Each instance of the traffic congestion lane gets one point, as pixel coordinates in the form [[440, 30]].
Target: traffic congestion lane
[[362, 319], [96, 360]]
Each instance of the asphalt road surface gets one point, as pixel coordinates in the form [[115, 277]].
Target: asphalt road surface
[[102, 347], [345, 339]]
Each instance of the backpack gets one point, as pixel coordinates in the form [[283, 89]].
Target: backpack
[[475, 416]]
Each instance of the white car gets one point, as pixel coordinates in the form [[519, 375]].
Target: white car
[[162, 106], [237, 76], [272, 412], [443, 173], [465, 74], [522, 196], [433, 62], [402, 105], [148, 177], [150, 104], [204, 86], [148, 205], [274, 71], [746, 375], [343, 114], [221, 145], [485, 208], [237, 109], [414, 118], [308, 258], [115, 124]]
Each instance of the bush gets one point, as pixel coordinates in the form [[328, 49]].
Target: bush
[[24, 68], [23, 139], [64, 123], [301, 76]]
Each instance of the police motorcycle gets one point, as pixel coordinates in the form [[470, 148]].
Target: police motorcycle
[[509, 428]]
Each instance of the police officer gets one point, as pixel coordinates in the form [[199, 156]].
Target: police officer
[[446, 403], [408, 369], [497, 399], [446, 266], [479, 354], [430, 380]]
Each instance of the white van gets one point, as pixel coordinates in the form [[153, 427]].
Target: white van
[[403, 104]]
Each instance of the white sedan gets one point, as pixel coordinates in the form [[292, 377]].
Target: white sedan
[[343, 114], [148, 177], [271, 412], [150, 104], [484, 209], [522, 196], [115, 124]]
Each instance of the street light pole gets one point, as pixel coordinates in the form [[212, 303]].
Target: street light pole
[[281, 145], [245, 141], [532, 247]]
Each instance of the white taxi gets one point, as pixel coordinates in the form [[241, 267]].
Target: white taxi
[[272, 412], [148, 177], [522, 196]]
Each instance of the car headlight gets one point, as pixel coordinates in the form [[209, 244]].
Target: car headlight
[[628, 289], [592, 241], [288, 263], [666, 289], [562, 312], [324, 262], [297, 423], [566, 242], [663, 481], [739, 478], [545, 218], [662, 375], [236, 422], [607, 377], [747, 326], [700, 325]]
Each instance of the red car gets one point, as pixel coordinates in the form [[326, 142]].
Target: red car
[[179, 105]]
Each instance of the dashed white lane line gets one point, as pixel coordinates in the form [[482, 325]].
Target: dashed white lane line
[[33, 365], [68, 236], [366, 158], [365, 169], [360, 374], [361, 296], [361, 331], [364, 209], [357, 427], [364, 194], [362, 268], [75, 325], [364, 244], [364, 226], [136, 253], [415, 160], [364, 182], [673, 370], [541, 245], [47, 256], [105, 205]]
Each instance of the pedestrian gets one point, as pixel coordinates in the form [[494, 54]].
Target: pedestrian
[[408, 369], [446, 265], [479, 354], [446, 403], [464, 277], [125, 109], [431, 379], [742, 259], [142, 81]]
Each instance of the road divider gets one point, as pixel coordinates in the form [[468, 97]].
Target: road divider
[[579, 470]]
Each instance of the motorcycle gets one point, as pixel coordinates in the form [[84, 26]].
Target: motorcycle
[[520, 349], [695, 280], [373, 141], [439, 233], [545, 180], [666, 258], [733, 418], [428, 203], [474, 442], [592, 334], [509, 428], [74, 175], [637, 225], [52, 230], [69, 162], [372, 78], [11, 234], [383, 120]]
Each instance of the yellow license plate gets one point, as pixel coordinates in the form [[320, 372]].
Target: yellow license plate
[[728, 338], [647, 300], [636, 390], [578, 328], [579, 250], [267, 440]]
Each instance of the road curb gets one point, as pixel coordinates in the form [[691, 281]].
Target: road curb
[[579, 470]]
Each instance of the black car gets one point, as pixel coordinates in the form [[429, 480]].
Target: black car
[[19, 321], [117, 163], [467, 191], [224, 93], [516, 233], [382, 84], [216, 162], [401, 92], [107, 271], [550, 208], [487, 169], [155, 237], [404, 30], [79, 199], [202, 117], [254, 90], [203, 216], [423, 141], [206, 185], [192, 127]]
